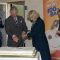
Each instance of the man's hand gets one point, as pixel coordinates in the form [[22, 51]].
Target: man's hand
[[15, 38]]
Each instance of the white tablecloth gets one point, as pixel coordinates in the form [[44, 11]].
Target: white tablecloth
[[37, 57]]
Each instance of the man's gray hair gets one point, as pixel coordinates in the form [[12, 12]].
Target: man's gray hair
[[12, 8]]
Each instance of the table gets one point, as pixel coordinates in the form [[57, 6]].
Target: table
[[37, 57], [20, 53]]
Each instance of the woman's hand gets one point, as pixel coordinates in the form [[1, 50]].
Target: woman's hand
[[24, 35]]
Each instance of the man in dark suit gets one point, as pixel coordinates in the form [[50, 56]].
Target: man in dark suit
[[15, 26]]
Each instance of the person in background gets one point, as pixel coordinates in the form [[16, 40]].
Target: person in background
[[15, 26], [1, 26], [38, 36], [58, 32], [0, 39]]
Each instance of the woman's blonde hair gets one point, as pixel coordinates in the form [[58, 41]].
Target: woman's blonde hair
[[32, 13]]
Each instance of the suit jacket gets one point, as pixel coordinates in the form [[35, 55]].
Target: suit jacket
[[39, 39], [13, 28]]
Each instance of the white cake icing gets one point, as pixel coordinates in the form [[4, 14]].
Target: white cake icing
[[21, 51]]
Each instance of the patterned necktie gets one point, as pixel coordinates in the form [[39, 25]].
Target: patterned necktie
[[16, 21]]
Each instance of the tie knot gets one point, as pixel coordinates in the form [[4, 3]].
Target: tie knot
[[15, 18]]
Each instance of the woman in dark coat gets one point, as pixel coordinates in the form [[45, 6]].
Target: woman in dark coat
[[37, 33]]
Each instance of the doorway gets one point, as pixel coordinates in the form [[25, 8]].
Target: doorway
[[3, 11]]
